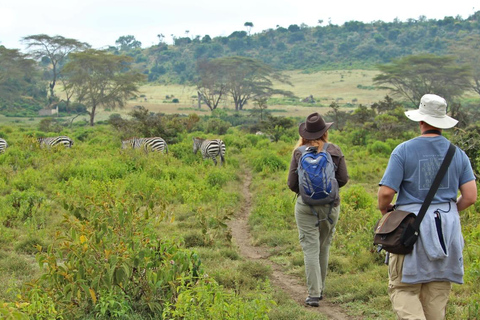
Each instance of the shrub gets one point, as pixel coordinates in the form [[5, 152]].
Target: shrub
[[217, 126], [255, 270], [379, 148], [30, 246], [191, 304], [357, 198], [217, 178], [267, 161], [115, 255], [193, 239]]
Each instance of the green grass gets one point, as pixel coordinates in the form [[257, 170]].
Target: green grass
[[188, 202]]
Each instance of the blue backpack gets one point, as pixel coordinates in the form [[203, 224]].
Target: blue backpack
[[316, 177]]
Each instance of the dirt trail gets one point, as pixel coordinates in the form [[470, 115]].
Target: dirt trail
[[289, 284]]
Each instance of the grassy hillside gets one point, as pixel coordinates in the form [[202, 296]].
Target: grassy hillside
[[353, 45]]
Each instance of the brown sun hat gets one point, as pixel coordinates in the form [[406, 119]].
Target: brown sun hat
[[314, 127]]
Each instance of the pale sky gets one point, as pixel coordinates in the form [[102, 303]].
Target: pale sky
[[101, 22]]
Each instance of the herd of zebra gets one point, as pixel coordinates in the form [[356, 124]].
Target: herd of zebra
[[43, 142], [208, 148]]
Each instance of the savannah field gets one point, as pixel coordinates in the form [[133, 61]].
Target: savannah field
[[343, 86], [352, 87], [326, 87], [349, 88]]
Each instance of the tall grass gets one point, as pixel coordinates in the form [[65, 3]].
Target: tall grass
[[97, 232]]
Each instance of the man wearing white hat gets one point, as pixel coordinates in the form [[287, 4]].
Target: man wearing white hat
[[420, 282]]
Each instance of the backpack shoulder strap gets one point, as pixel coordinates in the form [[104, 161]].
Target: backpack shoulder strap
[[302, 148], [325, 146]]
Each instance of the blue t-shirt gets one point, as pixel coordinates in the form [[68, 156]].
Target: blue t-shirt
[[413, 165]]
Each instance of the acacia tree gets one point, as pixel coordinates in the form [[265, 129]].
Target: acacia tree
[[126, 43], [211, 86], [249, 26], [56, 49], [386, 105], [245, 79], [249, 78], [261, 106], [414, 76], [18, 76], [467, 51], [101, 79], [339, 116]]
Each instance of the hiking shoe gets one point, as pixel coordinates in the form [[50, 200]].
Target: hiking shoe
[[313, 301]]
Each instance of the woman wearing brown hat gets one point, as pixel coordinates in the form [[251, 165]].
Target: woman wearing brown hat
[[316, 233]]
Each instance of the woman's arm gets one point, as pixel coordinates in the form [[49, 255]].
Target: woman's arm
[[341, 174], [292, 180]]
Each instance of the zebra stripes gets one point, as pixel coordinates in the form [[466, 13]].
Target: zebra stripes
[[148, 144], [3, 145], [210, 149], [53, 141]]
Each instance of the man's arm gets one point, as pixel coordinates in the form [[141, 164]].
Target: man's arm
[[385, 197], [468, 195]]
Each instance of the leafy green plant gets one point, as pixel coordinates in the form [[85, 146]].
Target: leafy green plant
[[113, 306], [379, 148], [222, 305], [267, 161], [113, 252], [11, 311]]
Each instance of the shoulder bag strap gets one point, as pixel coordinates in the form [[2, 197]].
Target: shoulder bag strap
[[436, 183]]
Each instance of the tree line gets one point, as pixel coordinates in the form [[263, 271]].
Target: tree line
[[300, 47], [93, 78]]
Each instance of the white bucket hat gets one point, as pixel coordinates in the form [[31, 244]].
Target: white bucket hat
[[432, 110]]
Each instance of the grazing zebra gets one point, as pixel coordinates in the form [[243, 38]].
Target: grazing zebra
[[148, 144], [210, 149], [3, 145], [53, 141]]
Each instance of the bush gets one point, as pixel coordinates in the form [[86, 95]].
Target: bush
[[267, 161], [217, 178], [379, 148], [217, 126], [93, 264]]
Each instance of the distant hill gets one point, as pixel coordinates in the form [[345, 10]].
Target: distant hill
[[353, 45]]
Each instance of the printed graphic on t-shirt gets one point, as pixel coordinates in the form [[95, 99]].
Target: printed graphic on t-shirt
[[428, 169]]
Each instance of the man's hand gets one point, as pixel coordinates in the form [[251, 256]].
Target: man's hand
[[385, 197], [388, 208]]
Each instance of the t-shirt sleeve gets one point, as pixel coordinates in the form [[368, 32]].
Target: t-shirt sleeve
[[467, 174], [393, 175]]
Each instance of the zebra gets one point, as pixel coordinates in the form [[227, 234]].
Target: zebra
[[53, 141], [210, 149], [3, 145], [148, 144]]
